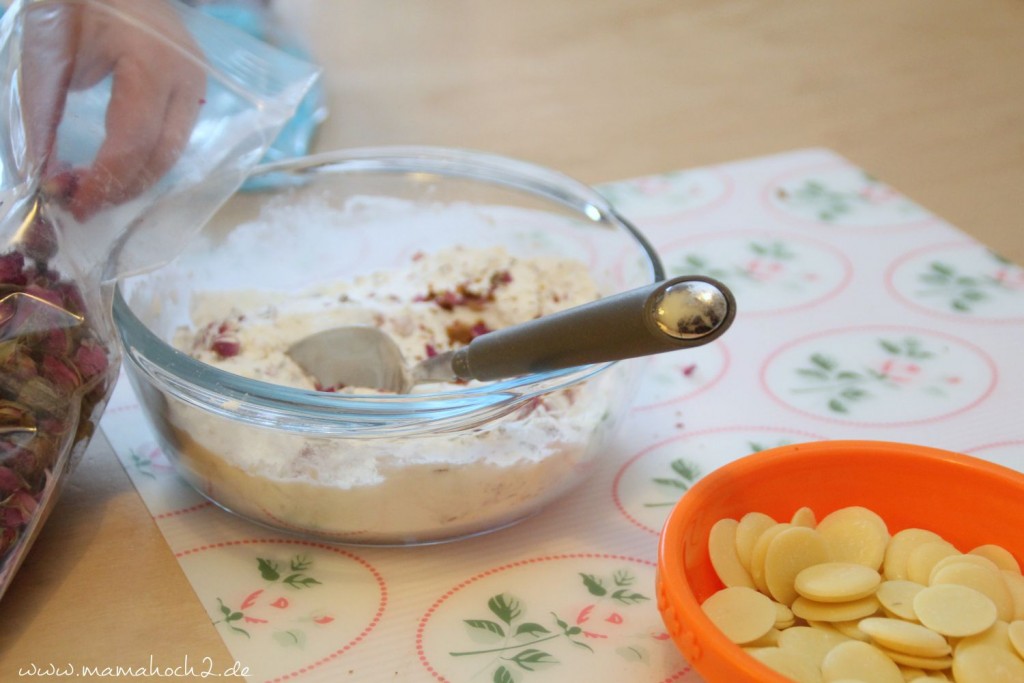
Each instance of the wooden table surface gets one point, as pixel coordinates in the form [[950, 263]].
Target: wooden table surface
[[928, 95]]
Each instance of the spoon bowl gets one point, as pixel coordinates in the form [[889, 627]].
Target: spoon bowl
[[674, 314]]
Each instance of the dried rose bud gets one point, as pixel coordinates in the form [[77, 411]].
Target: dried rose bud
[[56, 342], [39, 242], [50, 424], [64, 377], [21, 461], [91, 359], [70, 297], [9, 481], [11, 517], [47, 294], [41, 395], [8, 307], [8, 537], [12, 269], [47, 347], [16, 365], [23, 501], [14, 414]]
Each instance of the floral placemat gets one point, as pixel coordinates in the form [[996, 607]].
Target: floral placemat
[[861, 315]]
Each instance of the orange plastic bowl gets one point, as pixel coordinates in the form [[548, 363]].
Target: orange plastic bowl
[[966, 500]]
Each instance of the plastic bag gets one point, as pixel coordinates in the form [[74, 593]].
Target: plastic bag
[[260, 19], [72, 221]]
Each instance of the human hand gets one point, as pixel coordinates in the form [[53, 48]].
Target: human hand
[[158, 85]]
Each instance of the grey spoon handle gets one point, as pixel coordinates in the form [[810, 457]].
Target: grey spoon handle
[[673, 314]]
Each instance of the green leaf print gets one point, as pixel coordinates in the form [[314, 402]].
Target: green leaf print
[[827, 204], [486, 625], [142, 465], [300, 581], [633, 654], [504, 607], [290, 638], [627, 598], [685, 473], [594, 585], [297, 579], [515, 643], [268, 569], [823, 362], [531, 629], [230, 616], [623, 578], [301, 563], [531, 659]]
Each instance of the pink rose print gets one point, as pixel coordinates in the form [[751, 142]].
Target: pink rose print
[[893, 376], [842, 195], [768, 273], [960, 280], [285, 607], [519, 649], [265, 607]]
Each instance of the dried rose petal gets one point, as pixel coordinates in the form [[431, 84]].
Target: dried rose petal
[[463, 333], [226, 346]]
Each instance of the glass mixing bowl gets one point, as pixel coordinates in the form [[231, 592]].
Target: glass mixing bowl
[[446, 462]]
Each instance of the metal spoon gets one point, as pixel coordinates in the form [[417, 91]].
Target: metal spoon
[[673, 314]]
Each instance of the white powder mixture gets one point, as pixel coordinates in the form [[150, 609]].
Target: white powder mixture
[[437, 302], [404, 489]]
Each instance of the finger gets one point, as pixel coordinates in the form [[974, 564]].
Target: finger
[[179, 121], [49, 44], [133, 128]]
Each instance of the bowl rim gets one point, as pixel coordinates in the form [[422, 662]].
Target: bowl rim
[[677, 602], [324, 413]]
